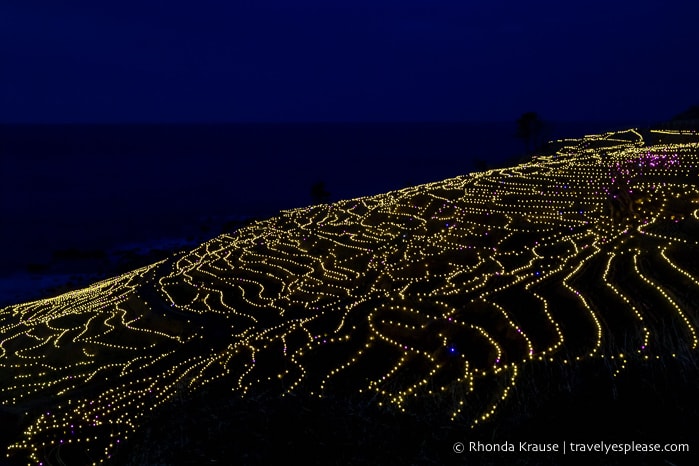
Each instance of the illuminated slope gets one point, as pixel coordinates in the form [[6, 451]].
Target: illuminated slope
[[445, 287]]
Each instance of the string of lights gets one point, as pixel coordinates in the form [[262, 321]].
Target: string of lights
[[409, 294]]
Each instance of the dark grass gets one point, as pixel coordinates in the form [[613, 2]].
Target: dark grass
[[651, 401]]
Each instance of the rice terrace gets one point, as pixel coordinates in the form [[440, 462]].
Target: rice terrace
[[453, 302]]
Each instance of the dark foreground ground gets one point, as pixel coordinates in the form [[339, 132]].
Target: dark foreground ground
[[652, 402]]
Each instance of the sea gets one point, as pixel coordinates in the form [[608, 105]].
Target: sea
[[103, 187]]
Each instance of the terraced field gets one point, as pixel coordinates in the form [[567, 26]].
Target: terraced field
[[591, 251]]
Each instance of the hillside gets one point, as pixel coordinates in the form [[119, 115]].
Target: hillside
[[440, 298]]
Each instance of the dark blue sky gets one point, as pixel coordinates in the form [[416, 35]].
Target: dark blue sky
[[346, 60]]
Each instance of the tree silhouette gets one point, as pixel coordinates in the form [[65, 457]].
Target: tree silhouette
[[479, 164], [529, 129], [319, 194]]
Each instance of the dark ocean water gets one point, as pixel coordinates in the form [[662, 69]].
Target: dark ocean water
[[90, 187]]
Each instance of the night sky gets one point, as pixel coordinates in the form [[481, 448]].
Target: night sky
[[345, 60]]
